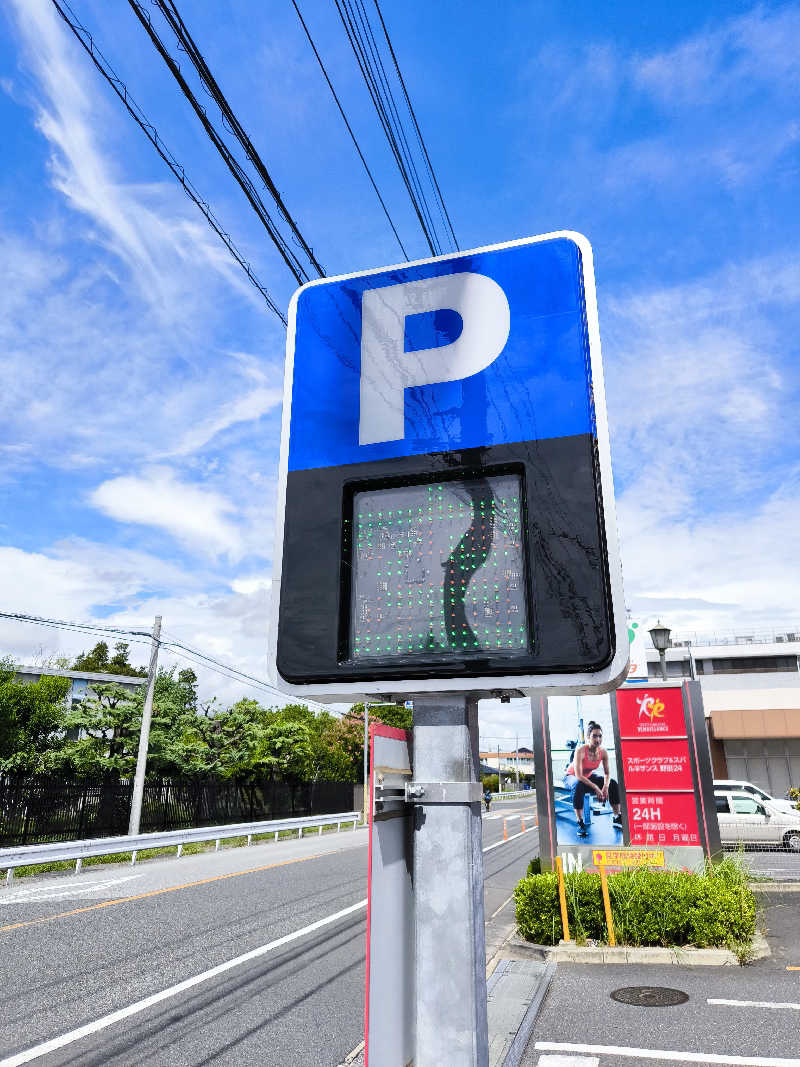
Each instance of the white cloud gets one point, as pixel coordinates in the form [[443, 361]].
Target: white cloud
[[73, 580], [196, 517], [719, 106], [161, 246], [697, 381]]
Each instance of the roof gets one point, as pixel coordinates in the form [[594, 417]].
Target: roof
[[86, 676]]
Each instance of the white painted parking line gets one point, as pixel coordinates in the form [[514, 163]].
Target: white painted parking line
[[754, 1004], [165, 994], [557, 1060], [670, 1056]]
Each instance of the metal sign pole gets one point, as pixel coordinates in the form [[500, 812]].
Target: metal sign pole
[[451, 1019]]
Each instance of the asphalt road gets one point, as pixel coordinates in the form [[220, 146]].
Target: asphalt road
[[78, 949]]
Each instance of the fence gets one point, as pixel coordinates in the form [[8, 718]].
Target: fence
[[34, 810]]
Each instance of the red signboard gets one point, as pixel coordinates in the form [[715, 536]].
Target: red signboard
[[660, 764], [658, 818], [655, 713]]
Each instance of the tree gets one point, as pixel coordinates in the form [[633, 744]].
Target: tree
[[32, 718], [389, 714], [97, 661], [105, 729]]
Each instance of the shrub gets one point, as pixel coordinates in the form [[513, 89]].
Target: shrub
[[649, 907]]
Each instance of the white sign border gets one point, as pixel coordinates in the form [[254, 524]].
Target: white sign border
[[602, 681]]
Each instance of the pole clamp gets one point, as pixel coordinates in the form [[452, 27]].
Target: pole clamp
[[444, 792]]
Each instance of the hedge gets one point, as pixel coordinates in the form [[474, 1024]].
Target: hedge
[[712, 908]]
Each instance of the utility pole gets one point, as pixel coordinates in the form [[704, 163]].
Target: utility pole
[[499, 776], [144, 733], [516, 753]]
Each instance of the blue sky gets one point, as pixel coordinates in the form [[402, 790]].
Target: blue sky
[[142, 373]]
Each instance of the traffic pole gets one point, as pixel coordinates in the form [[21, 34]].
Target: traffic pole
[[144, 734], [450, 1010]]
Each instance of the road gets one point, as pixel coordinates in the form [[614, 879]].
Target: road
[[78, 949]]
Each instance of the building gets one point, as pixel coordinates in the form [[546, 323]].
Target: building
[[508, 762], [80, 681], [751, 695]]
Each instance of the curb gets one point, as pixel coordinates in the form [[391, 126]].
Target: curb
[[683, 956]]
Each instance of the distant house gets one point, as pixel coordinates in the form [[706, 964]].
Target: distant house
[[80, 681]]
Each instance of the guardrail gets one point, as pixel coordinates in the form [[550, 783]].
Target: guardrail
[[59, 851], [509, 793]]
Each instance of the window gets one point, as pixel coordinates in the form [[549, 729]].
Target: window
[[746, 806], [722, 805], [746, 664]]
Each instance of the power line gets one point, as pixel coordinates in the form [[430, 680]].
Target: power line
[[287, 254], [361, 36], [99, 60], [140, 636], [349, 128], [185, 652], [187, 44], [420, 138]]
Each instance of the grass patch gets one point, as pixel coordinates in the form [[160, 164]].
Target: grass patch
[[650, 908]]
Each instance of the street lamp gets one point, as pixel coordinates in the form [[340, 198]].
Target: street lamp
[[659, 635]]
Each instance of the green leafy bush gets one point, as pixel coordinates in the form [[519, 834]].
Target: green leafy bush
[[649, 907]]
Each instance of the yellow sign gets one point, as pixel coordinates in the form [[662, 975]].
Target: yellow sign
[[630, 857]]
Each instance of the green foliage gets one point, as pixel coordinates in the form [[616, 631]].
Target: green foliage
[[649, 907], [98, 661], [489, 782], [31, 716], [389, 714], [794, 794], [535, 866]]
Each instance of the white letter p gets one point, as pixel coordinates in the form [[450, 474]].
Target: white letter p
[[387, 369]]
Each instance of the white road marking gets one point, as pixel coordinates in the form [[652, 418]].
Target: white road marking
[[672, 1056], [497, 844], [754, 1003], [156, 998], [567, 1061], [63, 889]]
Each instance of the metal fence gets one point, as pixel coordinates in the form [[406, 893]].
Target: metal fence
[[38, 809]]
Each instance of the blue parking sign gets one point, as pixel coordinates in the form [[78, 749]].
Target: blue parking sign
[[446, 506]]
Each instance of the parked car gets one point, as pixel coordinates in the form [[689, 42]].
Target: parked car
[[729, 786], [745, 820]]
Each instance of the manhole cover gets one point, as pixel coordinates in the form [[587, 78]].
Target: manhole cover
[[648, 996]]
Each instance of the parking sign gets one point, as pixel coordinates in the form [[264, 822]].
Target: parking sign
[[445, 513]]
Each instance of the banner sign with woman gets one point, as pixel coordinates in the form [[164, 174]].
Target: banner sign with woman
[[628, 783]]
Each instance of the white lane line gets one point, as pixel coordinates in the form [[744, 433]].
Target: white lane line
[[156, 998], [754, 1003], [497, 844], [674, 1057], [567, 1061]]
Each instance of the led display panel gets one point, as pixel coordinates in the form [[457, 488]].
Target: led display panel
[[438, 571]]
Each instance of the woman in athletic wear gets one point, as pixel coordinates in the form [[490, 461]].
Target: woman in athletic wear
[[581, 777]]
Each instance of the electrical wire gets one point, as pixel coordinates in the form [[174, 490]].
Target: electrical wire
[[185, 652], [233, 165], [372, 80], [119, 87], [349, 128], [140, 636], [420, 139], [187, 44]]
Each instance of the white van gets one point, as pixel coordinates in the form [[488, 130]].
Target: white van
[[727, 785], [745, 820]]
